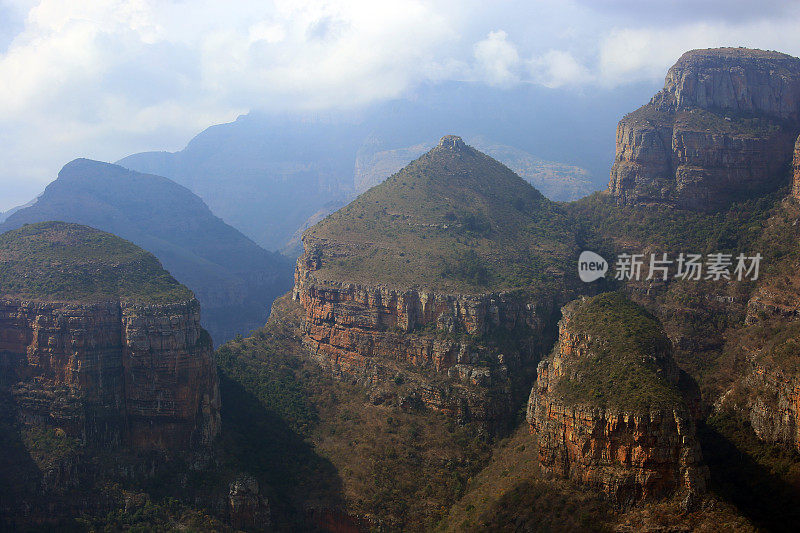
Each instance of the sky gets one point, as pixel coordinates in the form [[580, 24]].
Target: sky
[[104, 79]]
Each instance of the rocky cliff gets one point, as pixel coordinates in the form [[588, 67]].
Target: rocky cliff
[[796, 169], [104, 363], [441, 347], [612, 410], [722, 128]]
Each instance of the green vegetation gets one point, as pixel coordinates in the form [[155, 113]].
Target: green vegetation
[[702, 120], [736, 229], [68, 262], [453, 220], [625, 368], [317, 440]]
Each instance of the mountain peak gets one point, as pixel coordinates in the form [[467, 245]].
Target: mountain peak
[[452, 142], [460, 220]]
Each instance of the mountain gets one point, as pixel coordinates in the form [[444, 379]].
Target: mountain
[[428, 274], [612, 372], [103, 358], [721, 129], [459, 220], [556, 181], [267, 174], [234, 279], [5, 214]]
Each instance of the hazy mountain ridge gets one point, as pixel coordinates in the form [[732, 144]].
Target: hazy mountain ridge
[[233, 278], [268, 174]]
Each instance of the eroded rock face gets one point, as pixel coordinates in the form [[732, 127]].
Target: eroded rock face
[[631, 455], [796, 170], [774, 405], [722, 127], [248, 509], [112, 374], [433, 343]]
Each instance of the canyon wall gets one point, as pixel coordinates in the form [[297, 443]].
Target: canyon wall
[[796, 170], [443, 346], [110, 373], [722, 128], [629, 453]]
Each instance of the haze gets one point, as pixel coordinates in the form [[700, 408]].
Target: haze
[[104, 79]]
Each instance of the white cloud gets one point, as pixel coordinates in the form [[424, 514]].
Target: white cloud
[[105, 78], [557, 68], [634, 54], [496, 59]]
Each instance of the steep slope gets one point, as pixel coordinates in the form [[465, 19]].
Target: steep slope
[[721, 129], [461, 220], [445, 277], [92, 319], [108, 386], [234, 279], [796, 170]]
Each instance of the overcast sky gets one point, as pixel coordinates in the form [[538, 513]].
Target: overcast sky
[[104, 79]]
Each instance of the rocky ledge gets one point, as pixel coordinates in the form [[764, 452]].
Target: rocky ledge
[[723, 127], [612, 410]]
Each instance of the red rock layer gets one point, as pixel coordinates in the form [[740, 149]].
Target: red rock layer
[[137, 375], [631, 456], [372, 334], [796, 170]]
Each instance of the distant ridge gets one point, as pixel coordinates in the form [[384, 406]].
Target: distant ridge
[[234, 279]]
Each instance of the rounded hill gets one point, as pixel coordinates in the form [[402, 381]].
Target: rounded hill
[[56, 261], [628, 358]]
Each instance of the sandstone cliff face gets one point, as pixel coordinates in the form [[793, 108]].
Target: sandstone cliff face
[[629, 454], [796, 170], [110, 373], [436, 342], [722, 127], [774, 405]]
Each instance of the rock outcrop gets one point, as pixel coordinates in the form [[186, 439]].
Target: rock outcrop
[[128, 370], [796, 170], [722, 128], [774, 405], [247, 509], [610, 406]]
